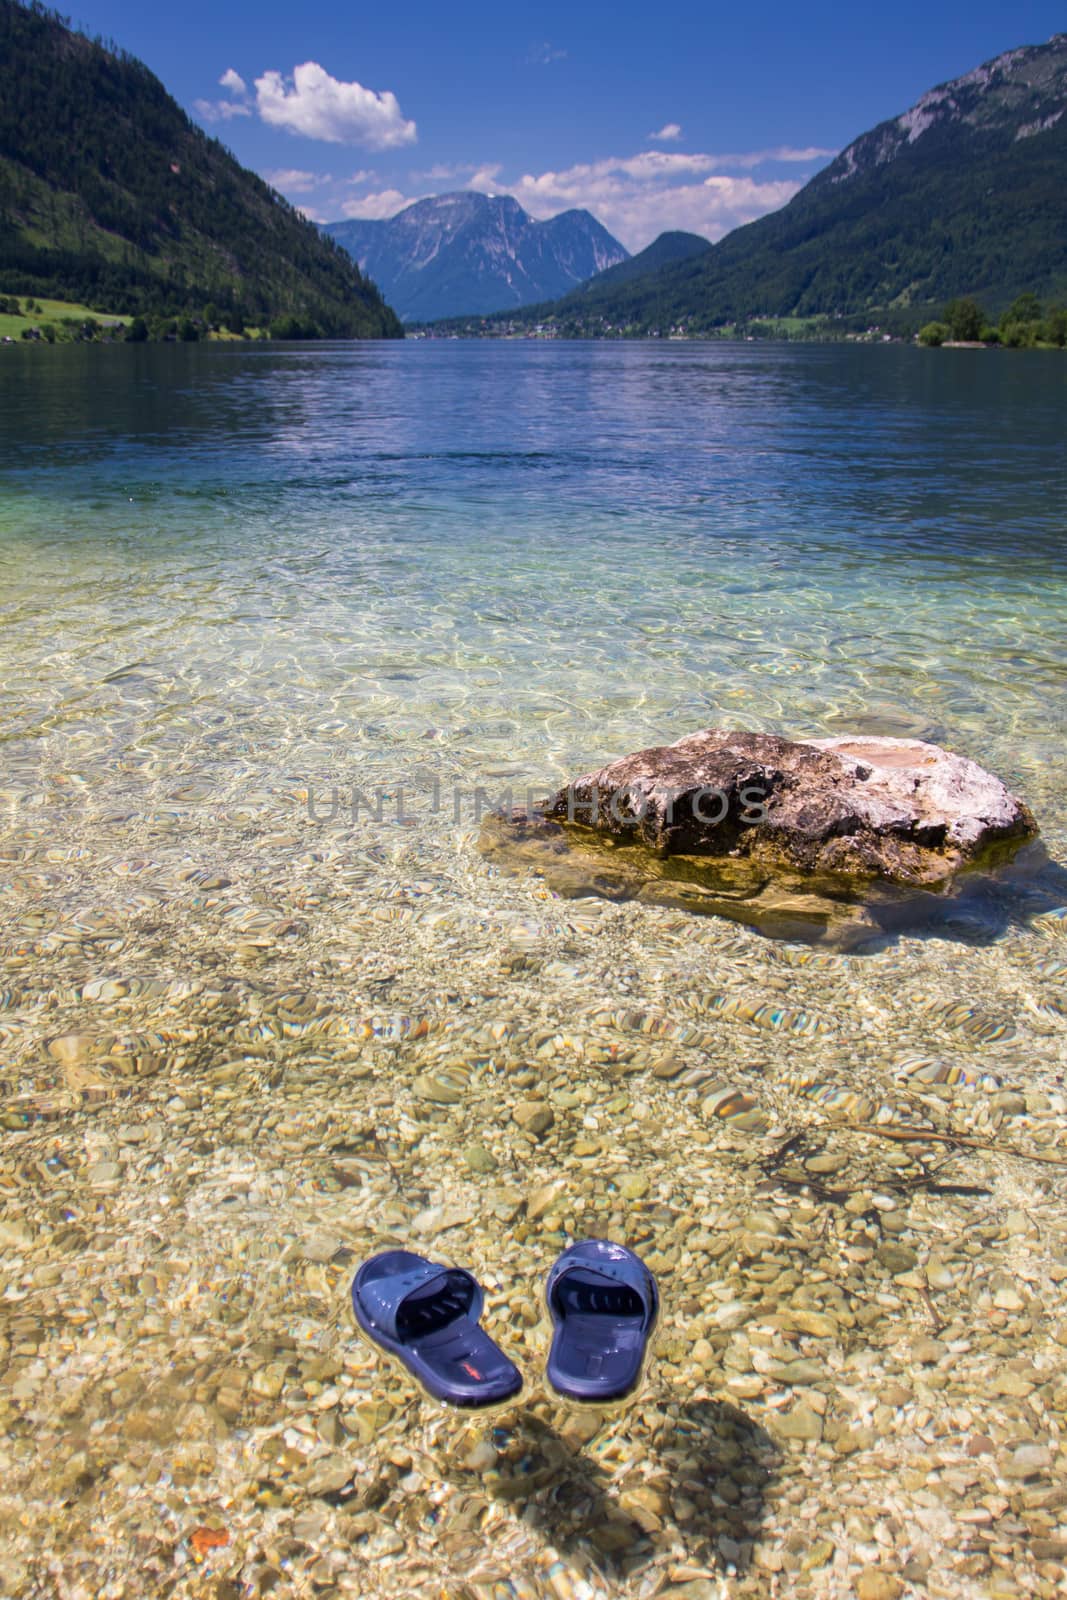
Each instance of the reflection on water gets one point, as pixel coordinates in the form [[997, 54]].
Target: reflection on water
[[231, 577]]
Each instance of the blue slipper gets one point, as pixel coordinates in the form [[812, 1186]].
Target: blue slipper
[[426, 1314], [603, 1301]]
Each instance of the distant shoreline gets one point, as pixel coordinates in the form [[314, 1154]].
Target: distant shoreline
[[259, 340]]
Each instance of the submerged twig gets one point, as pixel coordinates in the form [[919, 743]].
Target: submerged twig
[[809, 1183], [939, 1325], [792, 1146], [926, 1135]]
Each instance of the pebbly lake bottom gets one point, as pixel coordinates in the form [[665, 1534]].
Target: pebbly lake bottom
[[248, 1041]]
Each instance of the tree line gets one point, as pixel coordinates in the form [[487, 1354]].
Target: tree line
[[1025, 325], [111, 197], [182, 328]]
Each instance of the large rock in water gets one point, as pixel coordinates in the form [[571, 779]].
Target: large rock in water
[[834, 838], [896, 809]]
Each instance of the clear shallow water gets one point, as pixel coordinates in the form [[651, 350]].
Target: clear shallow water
[[512, 560], [240, 585], [543, 554], [232, 576]]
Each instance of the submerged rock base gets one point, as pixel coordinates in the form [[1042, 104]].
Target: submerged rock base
[[832, 840]]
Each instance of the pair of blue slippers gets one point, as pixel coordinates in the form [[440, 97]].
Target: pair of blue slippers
[[602, 1299]]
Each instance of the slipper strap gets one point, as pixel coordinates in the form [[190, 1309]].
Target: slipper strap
[[625, 1269], [383, 1297]]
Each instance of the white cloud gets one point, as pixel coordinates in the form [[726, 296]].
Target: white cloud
[[318, 106], [543, 55], [225, 110], [811, 152], [781, 152], [636, 197], [292, 180], [634, 209], [486, 177], [669, 130], [652, 164], [639, 197], [386, 203], [220, 110], [446, 172]]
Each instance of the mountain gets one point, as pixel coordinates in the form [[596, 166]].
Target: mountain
[[110, 195], [473, 253], [668, 247], [965, 194]]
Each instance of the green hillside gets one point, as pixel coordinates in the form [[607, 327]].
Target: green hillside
[[667, 248], [109, 195], [965, 194]]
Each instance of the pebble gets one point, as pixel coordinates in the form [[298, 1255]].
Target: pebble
[[427, 1087], [851, 1440], [820, 1554], [732, 1314], [874, 1583], [328, 1475], [478, 1159], [799, 1423], [818, 1324], [439, 1219], [320, 1246], [633, 1185], [541, 1200], [1027, 1461], [71, 1048], [826, 1164], [897, 1258], [533, 1116], [763, 1222], [269, 1381], [1052, 1550], [938, 1274], [104, 1174]]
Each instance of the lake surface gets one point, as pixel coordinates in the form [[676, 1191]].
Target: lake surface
[[239, 583], [533, 556]]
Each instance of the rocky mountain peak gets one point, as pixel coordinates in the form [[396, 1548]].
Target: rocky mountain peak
[[1017, 95], [468, 253]]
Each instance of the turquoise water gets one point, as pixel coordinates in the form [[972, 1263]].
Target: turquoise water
[[241, 585], [536, 555], [234, 580]]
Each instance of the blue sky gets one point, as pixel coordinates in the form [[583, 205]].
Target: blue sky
[[683, 116]]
